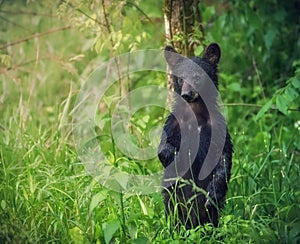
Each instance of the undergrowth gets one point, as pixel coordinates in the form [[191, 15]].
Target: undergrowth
[[46, 196]]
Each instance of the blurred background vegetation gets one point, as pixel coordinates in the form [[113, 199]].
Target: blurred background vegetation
[[49, 48]]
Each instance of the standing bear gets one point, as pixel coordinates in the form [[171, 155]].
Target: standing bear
[[195, 148]]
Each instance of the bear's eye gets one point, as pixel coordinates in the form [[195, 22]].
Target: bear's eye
[[180, 81]]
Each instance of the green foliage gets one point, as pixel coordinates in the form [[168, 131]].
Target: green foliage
[[45, 193], [118, 26], [286, 97]]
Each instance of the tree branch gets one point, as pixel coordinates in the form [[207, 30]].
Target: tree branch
[[255, 106], [37, 35], [15, 24], [26, 13]]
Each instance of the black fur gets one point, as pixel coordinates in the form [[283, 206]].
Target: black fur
[[195, 201]]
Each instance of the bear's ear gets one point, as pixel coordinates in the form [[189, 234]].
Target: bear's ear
[[212, 53], [172, 56]]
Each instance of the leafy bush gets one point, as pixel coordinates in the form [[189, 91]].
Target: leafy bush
[[45, 193]]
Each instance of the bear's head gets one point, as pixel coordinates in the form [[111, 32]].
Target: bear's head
[[192, 74]]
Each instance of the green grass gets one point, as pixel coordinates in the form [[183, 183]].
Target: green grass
[[46, 196]]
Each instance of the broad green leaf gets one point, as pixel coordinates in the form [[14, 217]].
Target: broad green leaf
[[295, 231], [96, 199], [76, 235], [263, 110], [198, 50], [235, 86], [122, 178], [269, 38], [291, 93], [282, 104], [296, 82], [141, 240], [132, 229], [109, 229], [3, 204]]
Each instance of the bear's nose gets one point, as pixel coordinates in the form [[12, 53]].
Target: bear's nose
[[189, 96]]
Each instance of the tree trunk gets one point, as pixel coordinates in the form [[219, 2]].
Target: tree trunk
[[183, 26]]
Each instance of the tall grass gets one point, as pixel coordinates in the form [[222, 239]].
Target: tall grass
[[47, 197]]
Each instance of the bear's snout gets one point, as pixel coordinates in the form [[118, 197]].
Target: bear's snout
[[188, 93]]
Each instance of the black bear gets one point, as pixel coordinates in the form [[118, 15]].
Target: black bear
[[195, 148]]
